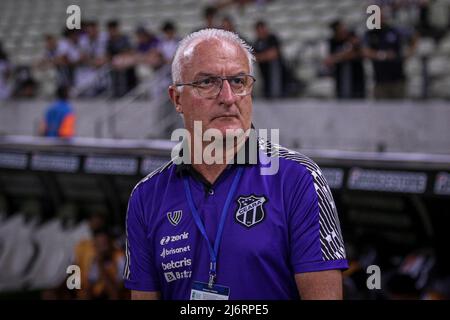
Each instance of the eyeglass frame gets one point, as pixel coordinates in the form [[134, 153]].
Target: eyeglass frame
[[195, 84]]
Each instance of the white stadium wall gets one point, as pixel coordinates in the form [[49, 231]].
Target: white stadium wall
[[404, 126]]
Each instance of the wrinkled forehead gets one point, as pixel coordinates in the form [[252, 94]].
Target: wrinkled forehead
[[213, 51]]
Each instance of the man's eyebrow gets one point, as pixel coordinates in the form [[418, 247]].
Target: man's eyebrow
[[207, 74]]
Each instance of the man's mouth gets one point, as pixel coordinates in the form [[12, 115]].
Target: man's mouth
[[225, 116]]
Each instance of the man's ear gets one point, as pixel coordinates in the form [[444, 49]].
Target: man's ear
[[174, 95]]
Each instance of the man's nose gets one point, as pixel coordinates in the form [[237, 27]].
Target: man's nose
[[226, 95]]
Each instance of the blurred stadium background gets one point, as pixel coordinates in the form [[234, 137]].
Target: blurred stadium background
[[386, 158]]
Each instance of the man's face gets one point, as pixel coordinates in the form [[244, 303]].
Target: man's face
[[113, 31], [50, 43], [261, 31], [225, 112], [141, 37], [92, 30], [102, 245], [341, 31]]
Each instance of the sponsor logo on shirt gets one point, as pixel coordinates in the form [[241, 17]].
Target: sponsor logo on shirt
[[168, 239], [176, 264], [167, 252], [174, 217], [173, 276]]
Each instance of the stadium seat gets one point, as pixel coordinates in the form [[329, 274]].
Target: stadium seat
[[438, 66], [17, 251], [444, 46], [414, 87], [413, 66], [425, 47], [440, 88], [438, 14], [49, 267], [321, 88]]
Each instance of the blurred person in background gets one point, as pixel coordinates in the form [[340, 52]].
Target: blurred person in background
[[44, 68], [121, 56], [68, 57], [92, 44], [147, 49], [85, 251], [169, 41], [384, 47], [59, 120], [270, 61], [50, 52], [346, 62], [228, 25], [146, 40], [401, 286], [5, 72], [209, 16], [104, 273], [438, 289]]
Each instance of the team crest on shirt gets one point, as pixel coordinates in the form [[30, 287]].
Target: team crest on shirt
[[174, 217], [250, 210]]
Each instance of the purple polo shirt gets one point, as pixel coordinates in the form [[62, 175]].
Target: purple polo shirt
[[277, 226]]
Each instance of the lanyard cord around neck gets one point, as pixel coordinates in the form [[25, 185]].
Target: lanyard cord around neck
[[212, 251]]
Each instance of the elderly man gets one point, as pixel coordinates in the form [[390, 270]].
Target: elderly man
[[224, 230]]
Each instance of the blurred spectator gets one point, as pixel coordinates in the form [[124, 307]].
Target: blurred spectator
[[105, 269], [5, 71], [68, 56], [209, 16], [121, 56], [276, 79], [345, 60], [147, 49], [44, 67], [24, 84], [146, 40], [424, 26], [50, 52], [85, 252], [169, 41], [402, 287], [59, 120], [384, 47], [227, 24], [92, 44], [439, 289]]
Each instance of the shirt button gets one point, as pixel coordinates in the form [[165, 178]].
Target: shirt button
[[211, 192]]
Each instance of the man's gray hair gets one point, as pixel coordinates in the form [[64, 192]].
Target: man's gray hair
[[191, 40]]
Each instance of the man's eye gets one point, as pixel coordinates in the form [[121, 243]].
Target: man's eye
[[206, 82], [237, 81]]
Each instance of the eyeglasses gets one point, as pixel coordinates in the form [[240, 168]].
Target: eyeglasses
[[210, 87]]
